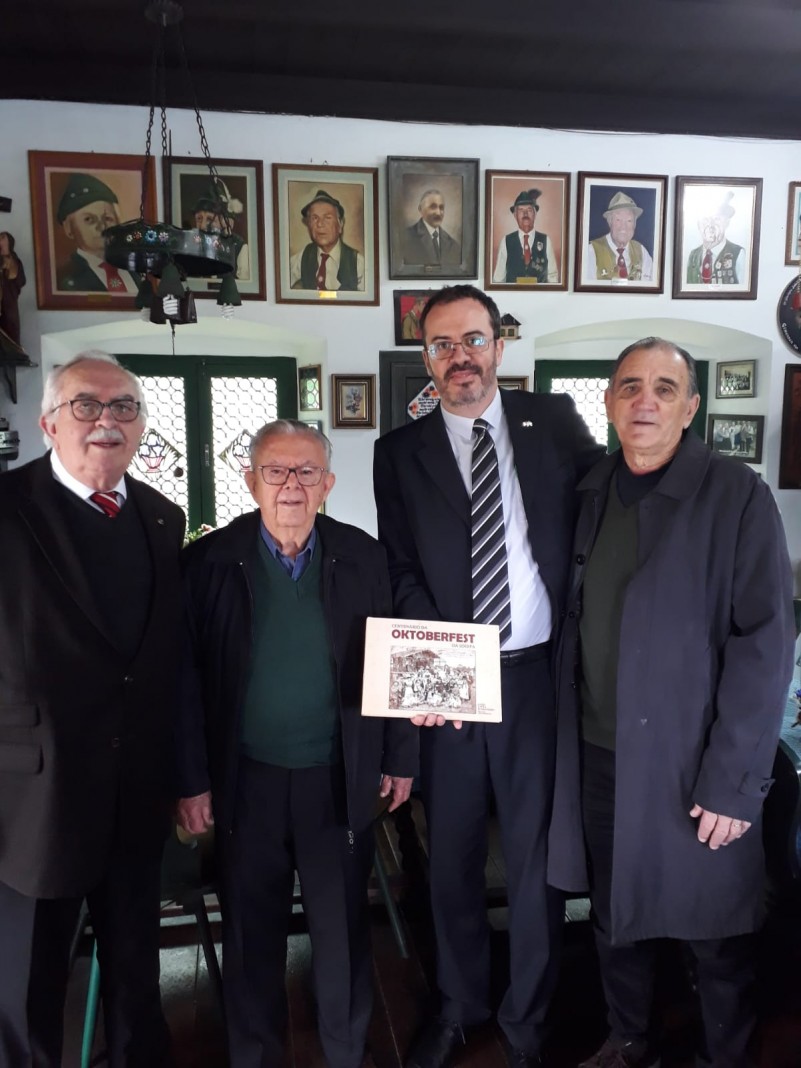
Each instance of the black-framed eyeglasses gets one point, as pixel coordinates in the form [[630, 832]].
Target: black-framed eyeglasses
[[277, 476], [441, 350], [86, 410]]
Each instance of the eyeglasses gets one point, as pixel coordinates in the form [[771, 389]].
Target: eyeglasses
[[441, 350], [89, 411], [277, 476]]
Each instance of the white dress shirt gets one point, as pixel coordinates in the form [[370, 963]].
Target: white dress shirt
[[531, 609], [62, 475], [591, 266]]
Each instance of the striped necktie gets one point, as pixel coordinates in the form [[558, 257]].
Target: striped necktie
[[490, 572], [107, 501]]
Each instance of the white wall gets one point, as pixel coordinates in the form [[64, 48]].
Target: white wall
[[348, 339]]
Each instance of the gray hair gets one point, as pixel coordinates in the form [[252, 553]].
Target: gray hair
[[660, 343], [429, 193], [51, 398], [279, 427]]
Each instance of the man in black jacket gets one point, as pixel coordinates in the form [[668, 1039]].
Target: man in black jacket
[[273, 743]]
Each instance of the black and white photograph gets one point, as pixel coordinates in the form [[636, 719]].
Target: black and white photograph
[[736, 378], [739, 436]]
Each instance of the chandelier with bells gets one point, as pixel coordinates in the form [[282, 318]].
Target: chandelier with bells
[[162, 254]]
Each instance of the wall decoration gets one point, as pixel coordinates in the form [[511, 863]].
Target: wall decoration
[[326, 234], [513, 381], [353, 401], [716, 243], [792, 248], [74, 197], [433, 217], [409, 304], [525, 236], [620, 233], [310, 388], [790, 452], [736, 379], [789, 314], [190, 202], [510, 327], [736, 435]]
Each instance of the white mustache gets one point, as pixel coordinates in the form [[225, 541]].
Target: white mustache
[[106, 434]]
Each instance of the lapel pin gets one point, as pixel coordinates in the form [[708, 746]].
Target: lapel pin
[[527, 422], [160, 521]]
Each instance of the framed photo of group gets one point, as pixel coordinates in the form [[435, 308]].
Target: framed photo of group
[[326, 234], [735, 435], [716, 243], [525, 237], [433, 217], [620, 236]]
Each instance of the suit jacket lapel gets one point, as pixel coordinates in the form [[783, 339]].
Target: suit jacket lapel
[[436, 456], [525, 435]]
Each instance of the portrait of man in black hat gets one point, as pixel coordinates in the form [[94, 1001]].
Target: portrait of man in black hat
[[326, 262], [526, 255], [218, 210], [87, 207]]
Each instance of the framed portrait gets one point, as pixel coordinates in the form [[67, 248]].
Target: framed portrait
[[310, 388], [75, 196], [190, 202], [525, 235], [326, 234], [792, 248], [409, 305], [736, 378], [620, 233], [513, 381], [433, 217], [716, 242], [735, 435], [790, 449], [353, 401]]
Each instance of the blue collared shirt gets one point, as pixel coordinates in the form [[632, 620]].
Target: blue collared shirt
[[294, 568]]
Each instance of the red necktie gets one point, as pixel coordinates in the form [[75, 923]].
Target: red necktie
[[107, 500], [324, 257], [622, 269], [706, 268], [526, 250], [113, 279]]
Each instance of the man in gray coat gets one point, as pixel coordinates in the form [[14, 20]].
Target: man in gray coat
[[674, 667]]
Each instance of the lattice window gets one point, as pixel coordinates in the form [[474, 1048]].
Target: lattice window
[[588, 394], [239, 406], [160, 459]]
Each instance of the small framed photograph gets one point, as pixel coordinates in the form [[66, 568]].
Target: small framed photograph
[[792, 249], [193, 201], [310, 388], [790, 449], [409, 305], [739, 436], [716, 243], [513, 381], [525, 236], [316, 423], [326, 234], [736, 379], [75, 196], [433, 217], [353, 401], [620, 234]]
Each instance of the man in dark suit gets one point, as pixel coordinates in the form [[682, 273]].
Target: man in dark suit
[[272, 741], [425, 241], [89, 611], [423, 487]]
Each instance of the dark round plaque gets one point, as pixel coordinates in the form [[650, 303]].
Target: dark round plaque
[[789, 317]]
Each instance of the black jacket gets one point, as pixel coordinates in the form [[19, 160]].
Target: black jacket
[[219, 604]]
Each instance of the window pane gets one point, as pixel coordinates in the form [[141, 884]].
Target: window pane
[[239, 406], [160, 459], [588, 394]]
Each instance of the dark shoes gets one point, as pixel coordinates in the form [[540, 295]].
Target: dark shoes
[[519, 1058], [619, 1053], [436, 1045]]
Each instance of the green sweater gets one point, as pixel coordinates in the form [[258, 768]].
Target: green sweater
[[291, 713]]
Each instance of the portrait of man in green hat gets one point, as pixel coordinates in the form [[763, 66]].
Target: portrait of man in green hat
[[86, 208], [615, 257]]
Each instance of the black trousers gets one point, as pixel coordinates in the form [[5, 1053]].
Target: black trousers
[[725, 966], [461, 771], [35, 939], [285, 820]]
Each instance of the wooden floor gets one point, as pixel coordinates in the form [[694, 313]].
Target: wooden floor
[[404, 997]]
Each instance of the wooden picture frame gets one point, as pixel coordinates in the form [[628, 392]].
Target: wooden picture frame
[[735, 378], [426, 195], [67, 226], [548, 265], [792, 247], [310, 388], [620, 217], [188, 192], [721, 217], [740, 436], [513, 381], [353, 402], [346, 199], [790, 448], [407, 305]]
